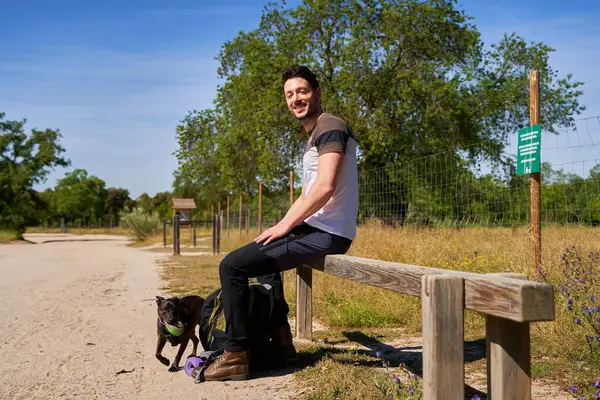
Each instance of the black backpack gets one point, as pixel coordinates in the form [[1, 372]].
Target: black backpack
[[261, 305]]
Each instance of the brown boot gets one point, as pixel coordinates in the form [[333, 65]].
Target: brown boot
[[282, 339], [230, 365]]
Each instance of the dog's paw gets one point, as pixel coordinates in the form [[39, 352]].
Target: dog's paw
[[173, 368], [163, 360]]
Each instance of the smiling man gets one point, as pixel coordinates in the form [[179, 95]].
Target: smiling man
[[321, 221]]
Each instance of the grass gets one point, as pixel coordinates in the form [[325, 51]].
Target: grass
[[7, 236], [344, 306]]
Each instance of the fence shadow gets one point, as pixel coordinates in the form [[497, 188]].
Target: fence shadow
[[411, 356]]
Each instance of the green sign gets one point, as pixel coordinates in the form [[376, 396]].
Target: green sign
[[528, 152]]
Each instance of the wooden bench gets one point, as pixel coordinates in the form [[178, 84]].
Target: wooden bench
[[509, 301]]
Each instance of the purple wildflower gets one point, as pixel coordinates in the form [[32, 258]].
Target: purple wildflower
[[577, 320], [598, 394], [586, 309], [411, 389], [569, 301], [395, 378], [570, 307], [573, 389], [593, 299], [597, 383], [378, 355]]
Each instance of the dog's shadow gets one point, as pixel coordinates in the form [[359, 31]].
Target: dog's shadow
[[411, 356]]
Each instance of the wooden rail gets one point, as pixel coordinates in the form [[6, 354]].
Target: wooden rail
[[510, 303]]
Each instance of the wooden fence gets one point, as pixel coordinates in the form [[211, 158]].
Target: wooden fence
[[216, 223], [509, 301]]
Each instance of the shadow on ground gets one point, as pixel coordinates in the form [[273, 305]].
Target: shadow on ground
[[411, 356]]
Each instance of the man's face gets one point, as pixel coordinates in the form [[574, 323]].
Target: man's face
[[302, 100]]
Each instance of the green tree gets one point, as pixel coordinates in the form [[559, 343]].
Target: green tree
[[25, 160], [78, 196], [143, 201], [161, 204], [117, 199], [412, 78]]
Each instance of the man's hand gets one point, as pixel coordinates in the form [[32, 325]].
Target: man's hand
[[274, 233]]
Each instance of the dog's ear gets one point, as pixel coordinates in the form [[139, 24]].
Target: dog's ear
[[159, 299]]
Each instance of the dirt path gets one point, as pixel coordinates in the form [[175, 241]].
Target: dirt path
[[78, 320]]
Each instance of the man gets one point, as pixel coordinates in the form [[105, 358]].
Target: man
[[322, 221]]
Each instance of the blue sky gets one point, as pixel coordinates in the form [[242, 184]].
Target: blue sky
[[116, 77]]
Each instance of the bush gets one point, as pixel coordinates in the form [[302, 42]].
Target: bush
[[580, 294], [140, 224]]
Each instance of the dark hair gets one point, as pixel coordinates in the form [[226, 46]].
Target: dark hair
[[300, 71]]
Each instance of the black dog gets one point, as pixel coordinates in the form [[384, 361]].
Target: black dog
[[184, 314]]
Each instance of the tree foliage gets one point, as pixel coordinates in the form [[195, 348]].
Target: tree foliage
[[413, 78], [25, 160], [78, 196]]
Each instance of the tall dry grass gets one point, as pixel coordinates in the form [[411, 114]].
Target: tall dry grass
[[7, 236], [346, 305]]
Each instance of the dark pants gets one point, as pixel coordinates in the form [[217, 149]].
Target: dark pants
[[304, 244]]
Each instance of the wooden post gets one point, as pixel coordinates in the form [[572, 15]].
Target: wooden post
[[443, 337], [260, 207], [536, 178], [219, 208], [178, 235], [240, 216], [214, 234], [194, 234], [176, 248], [304, 303], [291, 203], [508, 356], [219, 224], [291, 188], [228, 216], [247, 219], [164, 221]]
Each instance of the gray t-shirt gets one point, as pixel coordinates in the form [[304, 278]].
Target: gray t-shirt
[[338, 215]]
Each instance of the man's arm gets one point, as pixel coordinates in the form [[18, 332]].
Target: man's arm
[[318, 195], [296, 203], [321, 191]]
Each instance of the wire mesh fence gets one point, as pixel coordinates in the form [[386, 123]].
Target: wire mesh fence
[[446, 190]]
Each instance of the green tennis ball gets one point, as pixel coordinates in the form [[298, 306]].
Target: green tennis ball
[[175, 330]]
